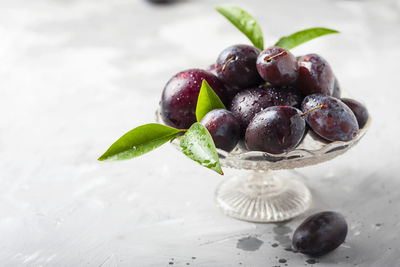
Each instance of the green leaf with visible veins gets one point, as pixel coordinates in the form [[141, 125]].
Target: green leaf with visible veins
[[207, 101], [246, 23], [139, 141], [198, 145], [297, 38]]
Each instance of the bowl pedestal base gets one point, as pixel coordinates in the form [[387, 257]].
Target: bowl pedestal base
[[262, 196]]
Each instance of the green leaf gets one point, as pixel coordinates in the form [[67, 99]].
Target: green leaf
[[207, 101], [246, 23], [139, 141], [297, 38], [198, 145]]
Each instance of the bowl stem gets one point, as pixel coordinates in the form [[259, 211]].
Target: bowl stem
[[262, 196]]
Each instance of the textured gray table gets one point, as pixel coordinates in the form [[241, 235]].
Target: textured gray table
[[75, 75]]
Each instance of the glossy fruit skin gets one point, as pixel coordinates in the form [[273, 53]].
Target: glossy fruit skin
[[277, 66], [337, 92], [275, 130], [246, 104], [315, 75], [359, 110], [320, 233], [236, 67], [334, 121], [179, 98], [223, 127], [229, 92]]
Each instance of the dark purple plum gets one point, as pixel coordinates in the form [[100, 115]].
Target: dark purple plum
[[320, 233], [229, 92], [315, 75], [359, 110], [337, 92], [223, 127], [284, 95], [329, 117], [275, 130], [236, 67], [246, 104], [179, 98], [277, 66]]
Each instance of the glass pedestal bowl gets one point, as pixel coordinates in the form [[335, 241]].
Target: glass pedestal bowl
[[260, 194]]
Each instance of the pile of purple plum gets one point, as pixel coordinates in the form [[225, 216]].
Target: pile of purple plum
[[271, 97]]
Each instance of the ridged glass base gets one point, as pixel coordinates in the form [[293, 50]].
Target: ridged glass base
[[262, 197]]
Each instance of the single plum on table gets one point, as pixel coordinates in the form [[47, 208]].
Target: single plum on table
[[359, 110], [179, 98], [275, 130], [223, 127], [329, 117], [315, 75], [277, 66], [236, 67], [246, 104], [320, 233]]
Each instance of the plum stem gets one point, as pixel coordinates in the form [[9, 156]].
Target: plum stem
[[313, 109], [269, 59], [226, 63]]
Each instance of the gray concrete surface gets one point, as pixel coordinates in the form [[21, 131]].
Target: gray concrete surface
[[75, 75]]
